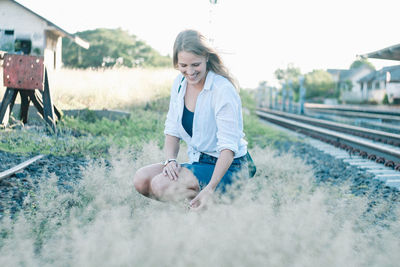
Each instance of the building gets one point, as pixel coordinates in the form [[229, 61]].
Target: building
[[382, 82], [347, 82], [25, 32], [393, 78]]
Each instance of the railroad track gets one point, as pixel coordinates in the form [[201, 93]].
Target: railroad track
[[378, 146], [383, 115], [19, 167]]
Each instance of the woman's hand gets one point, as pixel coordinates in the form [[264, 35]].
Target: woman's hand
[[172, 170], [202, 198]]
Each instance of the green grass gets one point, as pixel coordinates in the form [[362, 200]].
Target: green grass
[[90, 136], [82, 137]]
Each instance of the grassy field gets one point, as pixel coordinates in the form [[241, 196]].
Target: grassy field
[[142, 92], [280, 218]]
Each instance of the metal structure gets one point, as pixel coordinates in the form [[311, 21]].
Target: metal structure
[[19, 167], [26, 75]]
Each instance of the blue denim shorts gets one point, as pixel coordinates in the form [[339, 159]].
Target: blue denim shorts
[[204, 168]]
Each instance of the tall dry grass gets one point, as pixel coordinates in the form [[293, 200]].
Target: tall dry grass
[[118, 88], [279, 219]]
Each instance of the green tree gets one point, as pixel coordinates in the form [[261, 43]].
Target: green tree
[[319, 84], [110, 47], [361, 61], [291, 73]]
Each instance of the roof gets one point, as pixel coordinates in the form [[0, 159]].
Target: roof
[[380, 75], [56, 29], [334, 71], [347, 74], [391, 53]]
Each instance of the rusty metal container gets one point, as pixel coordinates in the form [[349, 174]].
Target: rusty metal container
[[23, 72]]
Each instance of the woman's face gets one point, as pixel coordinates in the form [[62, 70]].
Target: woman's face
[[193, 67]]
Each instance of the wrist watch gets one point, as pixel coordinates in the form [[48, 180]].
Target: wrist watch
[[168, 161]]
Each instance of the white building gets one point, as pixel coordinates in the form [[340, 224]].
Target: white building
[[385, 81], [24, 31], [347, 81], [391, 76]]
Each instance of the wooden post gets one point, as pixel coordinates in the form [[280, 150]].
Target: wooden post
[[7, 105], [48, 113]]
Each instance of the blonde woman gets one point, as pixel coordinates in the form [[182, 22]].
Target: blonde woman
[[205, 111]]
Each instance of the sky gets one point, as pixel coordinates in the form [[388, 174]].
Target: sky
[[253, 37]]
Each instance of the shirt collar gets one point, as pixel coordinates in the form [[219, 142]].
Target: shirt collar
[[209, 80], [207, 84]]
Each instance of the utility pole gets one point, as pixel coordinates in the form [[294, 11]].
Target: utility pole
[[213, 3]]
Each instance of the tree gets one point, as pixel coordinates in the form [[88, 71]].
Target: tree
[[319, 84], [290, 73], [361, 61], [110, 47]]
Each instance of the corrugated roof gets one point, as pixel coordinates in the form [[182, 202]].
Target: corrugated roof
[[57, 29], [380, 75], [391, 53]]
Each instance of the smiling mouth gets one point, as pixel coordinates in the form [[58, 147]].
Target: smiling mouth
[[193, 77]]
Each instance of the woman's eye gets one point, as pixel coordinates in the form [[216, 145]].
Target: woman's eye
[[196, 65]]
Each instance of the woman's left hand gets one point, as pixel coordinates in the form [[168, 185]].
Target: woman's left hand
[[199, 202]]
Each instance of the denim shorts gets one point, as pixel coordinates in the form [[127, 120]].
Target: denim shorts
[[204, 168]]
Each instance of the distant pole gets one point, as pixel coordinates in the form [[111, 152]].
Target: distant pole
[[270, 97], [276, 98], [302, 95], [259, 96], [284, 97], [290, 96], [213, 3]]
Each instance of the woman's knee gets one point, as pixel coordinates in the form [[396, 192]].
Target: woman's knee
[[189, 179], [141, 181], [158, 185]]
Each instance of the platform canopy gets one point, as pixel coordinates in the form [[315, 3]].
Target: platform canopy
[[390, 53]]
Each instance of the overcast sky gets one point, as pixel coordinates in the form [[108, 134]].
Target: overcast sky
[[256, 37]]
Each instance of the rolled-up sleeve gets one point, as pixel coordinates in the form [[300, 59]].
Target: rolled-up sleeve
[[227, 118], [171, 123]]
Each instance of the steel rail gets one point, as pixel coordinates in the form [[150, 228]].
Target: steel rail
[[358, 114], [9, 172], [376, 135], [387, 111], [386, 153]]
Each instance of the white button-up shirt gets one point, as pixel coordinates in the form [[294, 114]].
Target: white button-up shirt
[[217, 122]]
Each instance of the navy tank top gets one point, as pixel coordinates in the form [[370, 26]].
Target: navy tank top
[[187, 120]]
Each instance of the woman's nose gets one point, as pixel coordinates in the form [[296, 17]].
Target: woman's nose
[[190, 71]]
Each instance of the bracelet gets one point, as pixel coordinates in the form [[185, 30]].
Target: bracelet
[[169, 160]]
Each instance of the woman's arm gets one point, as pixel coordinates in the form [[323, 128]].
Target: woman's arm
[[171, 147], [223, 163]]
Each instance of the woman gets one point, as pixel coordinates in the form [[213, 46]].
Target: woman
[[205, 111]]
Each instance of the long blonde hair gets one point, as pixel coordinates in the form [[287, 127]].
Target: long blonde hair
[[194, 42]]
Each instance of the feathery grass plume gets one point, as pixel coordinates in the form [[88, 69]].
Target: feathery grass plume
[[279, 218]]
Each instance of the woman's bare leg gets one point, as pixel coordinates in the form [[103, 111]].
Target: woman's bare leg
[[151, 182], [165, 189], [143, 177]]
